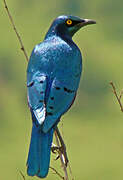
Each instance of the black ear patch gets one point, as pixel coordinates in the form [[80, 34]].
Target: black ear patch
[[73, 23]]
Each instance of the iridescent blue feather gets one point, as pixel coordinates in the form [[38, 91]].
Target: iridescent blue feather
[[53, 77]]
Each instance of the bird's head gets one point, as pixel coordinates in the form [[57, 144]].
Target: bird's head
[[68, 25]]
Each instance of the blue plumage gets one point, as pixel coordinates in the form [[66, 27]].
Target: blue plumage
[[53, 76], [39, 152]]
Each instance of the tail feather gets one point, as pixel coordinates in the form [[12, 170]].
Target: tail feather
[[39, 152]]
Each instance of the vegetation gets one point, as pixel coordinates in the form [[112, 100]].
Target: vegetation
[[93, 128]]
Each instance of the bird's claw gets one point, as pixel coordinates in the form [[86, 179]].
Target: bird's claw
[[55, 149], [57, 157], [61, 151]]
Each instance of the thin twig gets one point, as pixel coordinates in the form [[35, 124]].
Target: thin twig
[[57, 172], [62, 159], [121, 93], [63, 146], [22, 175], [69, 166], [116, 95], [70, 171], [15, 29]]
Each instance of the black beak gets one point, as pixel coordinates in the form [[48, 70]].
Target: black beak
[[85, 22]]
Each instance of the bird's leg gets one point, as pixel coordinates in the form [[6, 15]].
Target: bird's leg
[[62, 149]]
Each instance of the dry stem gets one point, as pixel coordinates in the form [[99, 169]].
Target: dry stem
[[22, 175], [62, 146], [15, 29], [62, 159], [56, 172], [116, 95]]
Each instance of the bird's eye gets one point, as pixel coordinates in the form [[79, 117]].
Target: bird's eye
[[69, 22]]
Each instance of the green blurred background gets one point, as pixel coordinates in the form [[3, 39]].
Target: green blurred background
[[93, 128]]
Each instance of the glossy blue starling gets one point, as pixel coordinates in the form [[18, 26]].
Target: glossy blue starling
[[53, 77]]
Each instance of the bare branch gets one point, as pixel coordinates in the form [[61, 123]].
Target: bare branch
[[121, 93], [62, 159], [57, 172], [22, 175], [72, 178], [14, 27], [63, 147], [116, 95]]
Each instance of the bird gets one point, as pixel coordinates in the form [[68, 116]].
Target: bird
[[53, 76]]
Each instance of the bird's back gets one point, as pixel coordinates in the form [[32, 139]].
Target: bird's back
[[53, 55], [60, 62]]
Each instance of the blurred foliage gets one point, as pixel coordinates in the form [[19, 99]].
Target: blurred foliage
[[93, 128]]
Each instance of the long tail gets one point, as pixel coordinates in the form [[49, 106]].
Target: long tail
[[39, 152]]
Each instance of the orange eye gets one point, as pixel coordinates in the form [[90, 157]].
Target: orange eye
[[69, 22]]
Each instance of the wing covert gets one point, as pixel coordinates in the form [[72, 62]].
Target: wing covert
[[36, 96], [60, 99]]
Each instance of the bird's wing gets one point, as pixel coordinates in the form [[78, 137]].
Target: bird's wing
[[61, 97], [51, 100], [36, 96]]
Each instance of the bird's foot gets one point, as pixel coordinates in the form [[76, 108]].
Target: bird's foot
[[61, 152], [54, 148]]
